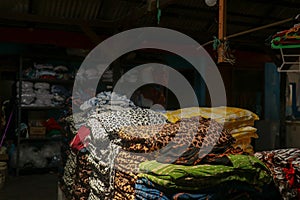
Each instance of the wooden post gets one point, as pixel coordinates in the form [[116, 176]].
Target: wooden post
[[222, 29]]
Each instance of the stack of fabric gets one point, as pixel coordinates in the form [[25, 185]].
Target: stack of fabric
[[104, 145], [27, 92], [285, 168], [200, 163], [134, 153], [239, 122], [245, 178]]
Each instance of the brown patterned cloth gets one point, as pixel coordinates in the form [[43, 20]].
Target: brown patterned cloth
[[81, 185], [127, 168], [196, 137], [184, 142]]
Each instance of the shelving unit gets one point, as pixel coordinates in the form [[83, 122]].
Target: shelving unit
[[24, 110]]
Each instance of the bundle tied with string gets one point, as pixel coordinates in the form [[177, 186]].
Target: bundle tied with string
[[226, 53]]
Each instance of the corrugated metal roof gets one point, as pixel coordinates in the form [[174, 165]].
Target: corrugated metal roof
[[187, 15]]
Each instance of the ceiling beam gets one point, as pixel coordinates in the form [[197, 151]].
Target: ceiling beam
[[56, 20], [279, 3], [46, 37]]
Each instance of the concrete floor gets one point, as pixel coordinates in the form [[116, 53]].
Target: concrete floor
[[30, 187]]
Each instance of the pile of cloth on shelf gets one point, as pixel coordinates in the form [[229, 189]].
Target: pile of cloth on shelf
[[285, 168], [27, 92], [39, 94], [60, 94], [48, 71], [287, 39], [43, 95]]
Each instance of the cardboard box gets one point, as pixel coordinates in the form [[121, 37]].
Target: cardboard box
[[3, 157], [37, 131]]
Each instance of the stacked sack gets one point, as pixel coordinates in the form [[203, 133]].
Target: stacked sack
[[239, 122]]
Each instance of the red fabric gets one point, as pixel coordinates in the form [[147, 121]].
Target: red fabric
[[51, 124], [290, 174], [78, 141]]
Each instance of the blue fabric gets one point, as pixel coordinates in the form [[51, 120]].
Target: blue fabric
[[147, 190]]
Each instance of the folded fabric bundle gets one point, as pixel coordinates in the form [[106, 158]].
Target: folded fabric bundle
[[68, 178], [127, 168], [25, 85], [245, 129], [284, 165], [145, 189], [113, 121], [243, 138], [196, 137], [81, 185], [124, 185], [100, 181], [244, 168], [147, 138], [106, 101], [221, 114], [42, 86]]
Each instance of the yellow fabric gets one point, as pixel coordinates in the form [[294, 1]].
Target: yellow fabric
[[221, 114], [243, 129], [242, 135], [245, 145], [238, 124]]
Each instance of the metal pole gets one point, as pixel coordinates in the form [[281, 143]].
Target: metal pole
[[253, 30], [222, 29]]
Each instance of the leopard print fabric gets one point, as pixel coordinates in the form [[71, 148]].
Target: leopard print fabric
[[146, 139], [81, 185], [113, 121], [127, 168], [195, 138]]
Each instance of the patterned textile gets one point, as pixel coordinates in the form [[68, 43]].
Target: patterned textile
[[113, 121], [68, 178], [124, 185], [93, 196], [220, 114], [147, 138], [244, 168], [81, 186], [196, 137], [100, 178], [285, 168], [145, 189], [127, 168]]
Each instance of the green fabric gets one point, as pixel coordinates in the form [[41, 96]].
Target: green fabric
[[245, 168], [280, 46]]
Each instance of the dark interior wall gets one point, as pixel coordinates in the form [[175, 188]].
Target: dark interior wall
[[244, 86]]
